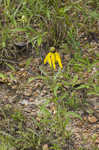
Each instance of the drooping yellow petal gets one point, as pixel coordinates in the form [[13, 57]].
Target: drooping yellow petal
[[58, 59], [45, 60], [48, 59], [53, 60]]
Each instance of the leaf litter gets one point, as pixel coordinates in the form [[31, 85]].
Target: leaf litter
[[28, 97]]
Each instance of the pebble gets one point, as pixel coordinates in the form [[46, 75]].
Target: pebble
[[92, 119], [45, 147]]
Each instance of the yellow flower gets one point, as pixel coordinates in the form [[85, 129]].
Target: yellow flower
[[48, 59], [58, 59], [52, 58]]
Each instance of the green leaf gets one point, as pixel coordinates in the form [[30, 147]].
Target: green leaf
[[63, 96], [34, 78], [19, 30], [11, 67], [93, 93], [30, 79], [12, 77], [56, 88], [43, 71], [94, 14], [73, 114], [3, 76], [28, 62], [83, 86], [75, 79], [39, 41]]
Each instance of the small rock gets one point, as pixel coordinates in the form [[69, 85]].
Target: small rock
[[92, 119], [28, 92], [20, 44], [97, 140], [24, 102], [12, 148], [45, 147]]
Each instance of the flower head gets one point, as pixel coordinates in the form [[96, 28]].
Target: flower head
[[52, 58]]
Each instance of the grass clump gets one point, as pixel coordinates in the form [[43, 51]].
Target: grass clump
[[46, 128], [45, 24]]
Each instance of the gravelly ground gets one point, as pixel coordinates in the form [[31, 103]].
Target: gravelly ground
[[28, 97]]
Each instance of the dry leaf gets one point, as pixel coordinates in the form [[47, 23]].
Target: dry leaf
[[92, 119]]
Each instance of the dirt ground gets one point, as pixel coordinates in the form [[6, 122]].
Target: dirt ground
[[28, 97]]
